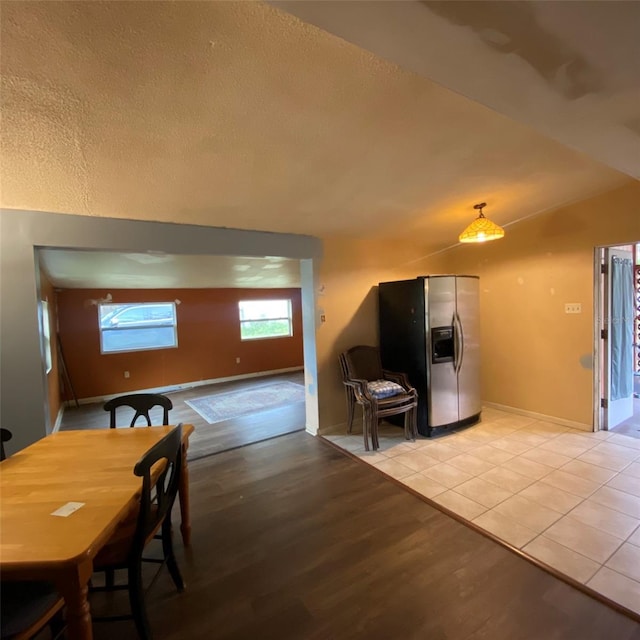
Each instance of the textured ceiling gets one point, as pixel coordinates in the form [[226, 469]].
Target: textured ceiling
[[103, 270], [238, 114], [571, 70]]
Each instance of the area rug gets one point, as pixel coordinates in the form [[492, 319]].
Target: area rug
[[224, 406]]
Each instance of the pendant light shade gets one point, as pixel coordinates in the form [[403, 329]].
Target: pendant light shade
[[481, 229]]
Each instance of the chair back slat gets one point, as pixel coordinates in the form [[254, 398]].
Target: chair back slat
[[141, 403]]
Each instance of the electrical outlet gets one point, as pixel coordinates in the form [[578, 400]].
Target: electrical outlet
[[237, 360], [126, 374], [572, 307]]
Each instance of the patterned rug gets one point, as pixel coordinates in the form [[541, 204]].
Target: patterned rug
[[224, 406]]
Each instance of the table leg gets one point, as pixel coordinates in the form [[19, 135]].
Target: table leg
[[183, 494], [73, 586]]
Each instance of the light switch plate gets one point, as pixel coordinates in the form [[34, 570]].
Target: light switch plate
[[572, 307]]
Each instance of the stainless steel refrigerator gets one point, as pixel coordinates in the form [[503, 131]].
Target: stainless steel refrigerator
[[430, 329]]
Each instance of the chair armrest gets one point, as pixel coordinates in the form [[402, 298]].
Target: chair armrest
[[401, 378], [360, 388]]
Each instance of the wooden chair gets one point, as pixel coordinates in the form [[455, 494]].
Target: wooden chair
[[126, 546], [27, 606], [141, 403], [366, 383], [5, 436]]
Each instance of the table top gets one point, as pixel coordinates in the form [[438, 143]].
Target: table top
[[94, 467]]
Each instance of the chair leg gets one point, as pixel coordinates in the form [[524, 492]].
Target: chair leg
[[136, 601], [374, 433], [109, 578], [350, 410], [410, 424], [365, 427], [57, 625], [169, 556]]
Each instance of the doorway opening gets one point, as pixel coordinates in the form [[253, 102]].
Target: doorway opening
[[617, 336], [229, 357]]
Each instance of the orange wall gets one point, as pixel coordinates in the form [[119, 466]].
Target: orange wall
[[47, 293], [208, 340]]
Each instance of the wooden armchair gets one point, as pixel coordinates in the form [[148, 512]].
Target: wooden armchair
[[381, 393]]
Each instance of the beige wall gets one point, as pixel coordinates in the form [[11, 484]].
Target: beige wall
[[349, 274], [535, 357]]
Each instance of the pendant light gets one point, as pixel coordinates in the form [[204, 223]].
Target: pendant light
[[481, 229]]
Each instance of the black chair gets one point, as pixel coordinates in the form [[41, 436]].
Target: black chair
[[27, 606], [125, 548], [141, 403], [366, 383], [5, 436]]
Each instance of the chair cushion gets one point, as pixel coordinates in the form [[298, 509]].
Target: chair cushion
[[384, 389], [24, 603]]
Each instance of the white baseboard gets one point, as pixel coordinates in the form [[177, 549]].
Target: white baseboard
[[190, 385], [340, 428], [56, 426], [539, 416]]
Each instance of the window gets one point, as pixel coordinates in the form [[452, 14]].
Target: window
[[46, 335], [265, 319], [138, 326]]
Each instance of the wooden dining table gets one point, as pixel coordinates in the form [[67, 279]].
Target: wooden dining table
[[90, 468]]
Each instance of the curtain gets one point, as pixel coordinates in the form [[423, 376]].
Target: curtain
[[621, 328]]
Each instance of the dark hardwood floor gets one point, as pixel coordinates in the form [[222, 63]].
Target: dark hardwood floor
[[294, 540], [207, 438]]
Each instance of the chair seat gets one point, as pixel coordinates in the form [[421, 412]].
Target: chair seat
[[24, 604], [116, 551]]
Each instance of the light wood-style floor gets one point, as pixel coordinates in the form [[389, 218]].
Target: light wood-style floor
[[293, 540], [207, 438]]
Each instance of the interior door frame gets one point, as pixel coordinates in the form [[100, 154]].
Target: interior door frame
[[599, 312], [598, 320]]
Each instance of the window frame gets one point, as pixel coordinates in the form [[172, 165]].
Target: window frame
[[46, 336], [127, 305], [288, 318]]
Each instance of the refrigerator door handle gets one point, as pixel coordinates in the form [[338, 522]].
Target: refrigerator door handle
[[459, 342], [456, 346]]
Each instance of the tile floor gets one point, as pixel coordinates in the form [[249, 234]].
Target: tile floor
[[569, 498]]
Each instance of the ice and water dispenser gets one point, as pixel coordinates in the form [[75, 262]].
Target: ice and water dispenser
[[442, 345]]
